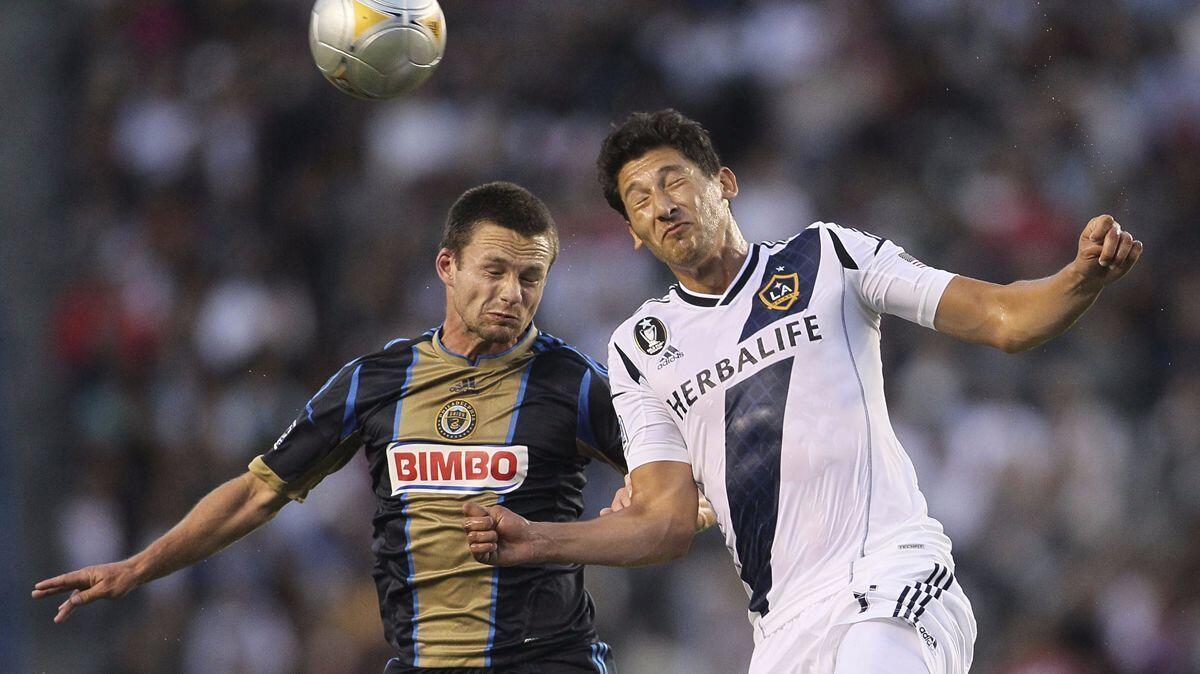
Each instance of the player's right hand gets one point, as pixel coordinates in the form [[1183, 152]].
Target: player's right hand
[[105, 581], [1106, 252], [500, 537]]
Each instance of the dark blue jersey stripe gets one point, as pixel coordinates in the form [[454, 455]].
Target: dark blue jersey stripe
[[796, 265], [754, 411]]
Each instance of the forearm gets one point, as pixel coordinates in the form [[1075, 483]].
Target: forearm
[[223, 516], [1017, 316], [632, 537], [1039, 310]]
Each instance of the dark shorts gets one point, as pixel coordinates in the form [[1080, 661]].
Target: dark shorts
[[596, 658]]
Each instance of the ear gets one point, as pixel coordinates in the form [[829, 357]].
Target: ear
[[637, 241], [729, 186], [446, 266]]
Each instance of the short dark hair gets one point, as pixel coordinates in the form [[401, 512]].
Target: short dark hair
[[506, 204], [645, 131]]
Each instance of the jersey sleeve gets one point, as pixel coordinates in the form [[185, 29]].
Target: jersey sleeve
[[599, 433], [887, 279], [647, 430], [319, 442]]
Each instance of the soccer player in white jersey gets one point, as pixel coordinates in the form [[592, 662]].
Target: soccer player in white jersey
[[758, 379]]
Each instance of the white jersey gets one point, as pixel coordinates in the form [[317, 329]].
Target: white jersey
[[773, 392]]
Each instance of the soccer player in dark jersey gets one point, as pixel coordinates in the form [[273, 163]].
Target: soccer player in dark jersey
[[483, 408]]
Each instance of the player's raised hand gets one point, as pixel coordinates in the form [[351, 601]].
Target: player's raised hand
[[621, 499], [1106, 251], [498, 536], [106, 581]]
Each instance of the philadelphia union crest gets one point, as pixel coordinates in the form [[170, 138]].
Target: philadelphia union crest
[[650, 335], [456, 420], [781, 292]]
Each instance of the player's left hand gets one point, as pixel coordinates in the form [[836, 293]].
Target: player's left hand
[[621, 499], [499, 537], [705, 515], [1106, 251]]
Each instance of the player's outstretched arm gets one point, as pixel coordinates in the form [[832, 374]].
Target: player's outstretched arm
[[655, 527], [1021, 315], [227, 513]]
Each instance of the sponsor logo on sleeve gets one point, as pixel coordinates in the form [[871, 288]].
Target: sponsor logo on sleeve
[[456, 469], [650, 335], [279, 442]]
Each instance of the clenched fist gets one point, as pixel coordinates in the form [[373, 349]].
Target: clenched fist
[[500, 537], [1106, 251]]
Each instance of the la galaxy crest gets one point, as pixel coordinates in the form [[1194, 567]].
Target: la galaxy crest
[[650, 335], [456, 420], [781, 291]]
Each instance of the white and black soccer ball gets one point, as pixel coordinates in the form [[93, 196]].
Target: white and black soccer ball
[[377, 48]]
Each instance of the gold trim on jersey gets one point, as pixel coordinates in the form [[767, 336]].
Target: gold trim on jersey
[[298, 489], [516, 352], [454, 592]]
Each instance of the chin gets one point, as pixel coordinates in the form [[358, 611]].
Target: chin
[[499, 333]]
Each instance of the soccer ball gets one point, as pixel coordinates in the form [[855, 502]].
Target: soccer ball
[[377, 48]]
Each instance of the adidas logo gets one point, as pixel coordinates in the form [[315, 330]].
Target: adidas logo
[[670, 355], [464, 386]]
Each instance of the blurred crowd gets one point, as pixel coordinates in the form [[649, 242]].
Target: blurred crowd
[[239, 229]]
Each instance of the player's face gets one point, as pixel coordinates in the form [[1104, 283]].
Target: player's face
[[674, 209], [496, 282]]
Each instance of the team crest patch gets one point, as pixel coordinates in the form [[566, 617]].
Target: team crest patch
[[650, 335], [781, 292], [456, 420]]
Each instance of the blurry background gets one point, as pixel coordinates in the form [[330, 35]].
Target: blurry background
[[197, 230]]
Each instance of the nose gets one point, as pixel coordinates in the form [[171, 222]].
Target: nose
[[510, 290], [665, 208]]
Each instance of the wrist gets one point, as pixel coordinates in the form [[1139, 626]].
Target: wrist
[[140, 569], [544, 547], [1081, 282]]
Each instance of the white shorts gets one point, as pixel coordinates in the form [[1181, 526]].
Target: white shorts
[[923, 595]]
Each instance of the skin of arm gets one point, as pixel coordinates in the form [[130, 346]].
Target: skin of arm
[[656, 527], [1024, 314], [224, 515], [706, 515]]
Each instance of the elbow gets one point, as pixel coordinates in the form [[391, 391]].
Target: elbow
[[669, 538], [676, 539], [1005, 336], [1012, 345]]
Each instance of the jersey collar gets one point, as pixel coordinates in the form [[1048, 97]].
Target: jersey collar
[[492, 360], [743, 276]]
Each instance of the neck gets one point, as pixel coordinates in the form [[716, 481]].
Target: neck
[[714, 274], [458, 339]]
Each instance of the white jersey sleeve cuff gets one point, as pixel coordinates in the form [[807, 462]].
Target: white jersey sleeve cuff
[[651, 453], [935, 285]]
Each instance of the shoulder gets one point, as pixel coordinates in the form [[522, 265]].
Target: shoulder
[[808, 232], [547, 346], [660, 308], [399, 352]]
